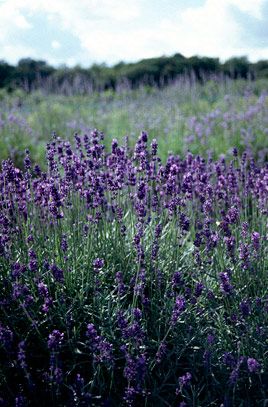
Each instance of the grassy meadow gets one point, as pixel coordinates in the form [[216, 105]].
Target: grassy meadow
[[134, 247], [210, 118]]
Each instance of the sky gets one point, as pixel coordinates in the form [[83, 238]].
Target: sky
[[84, 32]]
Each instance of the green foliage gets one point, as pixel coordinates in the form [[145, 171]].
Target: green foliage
[[30, 74], [238, 67]]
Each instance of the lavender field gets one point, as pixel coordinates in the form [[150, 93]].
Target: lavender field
[[134, 257]]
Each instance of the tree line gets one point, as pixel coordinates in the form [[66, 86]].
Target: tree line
[[30, 74]]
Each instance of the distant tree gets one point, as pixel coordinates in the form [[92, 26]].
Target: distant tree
[[203, 66], [237, 67], [29, 72], [260, 69], [6, 74]]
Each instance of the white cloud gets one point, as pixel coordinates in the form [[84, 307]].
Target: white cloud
[[12, 53], [55, 44], [113, 30], [252, 7], [211, 29], [21, 22]]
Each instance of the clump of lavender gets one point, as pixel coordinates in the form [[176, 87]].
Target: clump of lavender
[[129, 279]]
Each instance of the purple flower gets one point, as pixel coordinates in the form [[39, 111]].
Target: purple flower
[[21, 355], [55, 339], [33, 260], [154, 147], [141, 193], [134, 332], [64, 244], [255, 238], [235, 152], [184, 222], [130, 395], [27, 160], [98, 263], [20, 401], [230, 244], [42, 289], [245, 308], [253, 365], [234, 376], [144, 136], [101, 348], [135, 368], [17, 270], [137, 313], [225, 285], [120, 284], [161, 352], [244, 229], [210, 339], [57, 273], [177, 280], [185, 380], [244, 254], [91, 332], [56, 375], [198, 289], [232, 215], [179, 307], [228, 359], [114, 146], [48, 302]]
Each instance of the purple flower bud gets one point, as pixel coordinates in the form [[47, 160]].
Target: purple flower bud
[[253, 365], [154, 147], [144, 136], [198, 289], [210, 339], [21, 355], [179, 307], [234, 376], [245, 308], [225, 285], [57, 273], [161, 352], [64, 243], [255, 238], [228, 359], [92, 335], [42, 289], [98, 264], [137, 313], [55, 339], [185, 380]]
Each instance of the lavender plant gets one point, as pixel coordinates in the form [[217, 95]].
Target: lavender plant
[[205, 119], [129, 280]]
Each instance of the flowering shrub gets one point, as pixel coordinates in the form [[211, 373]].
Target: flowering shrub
[[126, 280]]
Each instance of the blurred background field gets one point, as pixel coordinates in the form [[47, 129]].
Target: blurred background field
[[205, 118]]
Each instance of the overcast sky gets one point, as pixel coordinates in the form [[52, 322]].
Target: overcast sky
[[88, 31]]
